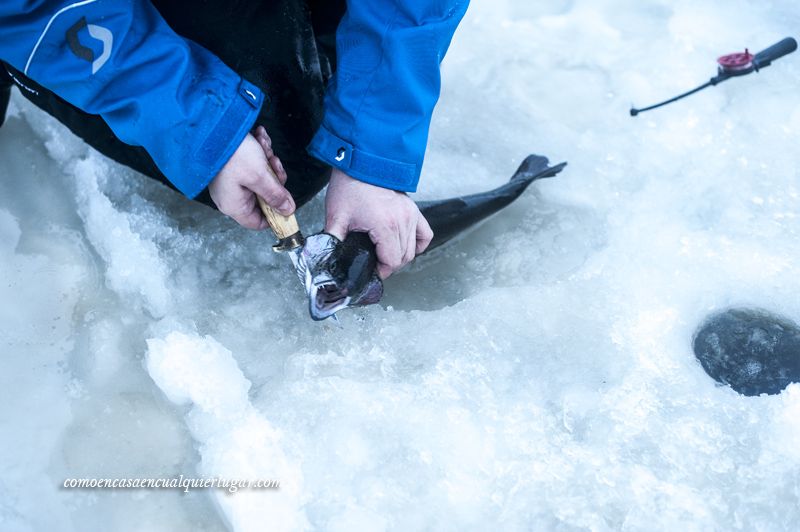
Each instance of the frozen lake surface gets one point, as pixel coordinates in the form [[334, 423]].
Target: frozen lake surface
[[536, 375]]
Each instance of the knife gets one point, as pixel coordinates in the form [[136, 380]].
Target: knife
[[287, 231]]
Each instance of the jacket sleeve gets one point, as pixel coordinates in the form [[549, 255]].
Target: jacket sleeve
[[120, 60], [379, 104]]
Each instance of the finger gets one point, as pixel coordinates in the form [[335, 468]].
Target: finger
[[277, 168], [424, 234], [264, 141], [274, 162], [266, 147], [337, 226], [249, 215], [389, 250], [273, 192], [263, 138], [410, 248], [253, 220]]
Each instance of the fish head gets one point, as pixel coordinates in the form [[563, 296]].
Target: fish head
[[339, 273]]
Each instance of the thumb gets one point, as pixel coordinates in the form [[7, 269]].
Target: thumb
[[337, 226], [273, 193]]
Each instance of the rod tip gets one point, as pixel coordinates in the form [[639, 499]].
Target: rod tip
[[634, 112]]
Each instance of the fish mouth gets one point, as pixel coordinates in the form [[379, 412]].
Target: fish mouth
[[326, 299]]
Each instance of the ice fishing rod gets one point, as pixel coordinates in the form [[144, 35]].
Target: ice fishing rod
[[735, 65]]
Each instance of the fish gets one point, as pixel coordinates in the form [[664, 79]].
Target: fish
[[338, 274]]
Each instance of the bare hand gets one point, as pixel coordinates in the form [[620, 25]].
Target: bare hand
[[246, 174], [392, 220]]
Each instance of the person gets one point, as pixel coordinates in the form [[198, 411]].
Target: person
[[176, 91]]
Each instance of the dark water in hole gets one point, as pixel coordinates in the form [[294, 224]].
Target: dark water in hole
[[751, 350]]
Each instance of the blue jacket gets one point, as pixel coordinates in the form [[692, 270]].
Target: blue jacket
[[120, 60]]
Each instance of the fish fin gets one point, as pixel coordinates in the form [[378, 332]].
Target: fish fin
[[372, 293], [451, 217], [536, 167]]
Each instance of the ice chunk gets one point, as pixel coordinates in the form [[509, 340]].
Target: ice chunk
[[133, 265], [235, 440]]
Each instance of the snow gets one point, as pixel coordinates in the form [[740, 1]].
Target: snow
[[535, 375]]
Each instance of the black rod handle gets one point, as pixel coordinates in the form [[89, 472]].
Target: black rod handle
[[765, 57]]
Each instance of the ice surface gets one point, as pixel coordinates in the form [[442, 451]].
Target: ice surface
[[536, 375]]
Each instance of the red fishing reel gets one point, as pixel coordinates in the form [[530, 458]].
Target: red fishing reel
[[737, 64], [733, 65]]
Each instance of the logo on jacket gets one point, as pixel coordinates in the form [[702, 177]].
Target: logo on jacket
[[100, 33]]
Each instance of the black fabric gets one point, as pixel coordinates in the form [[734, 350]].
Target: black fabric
[[285, 47], [325, 17], [5, 94]]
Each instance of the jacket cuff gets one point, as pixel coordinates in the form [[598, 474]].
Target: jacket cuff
[[367, 167], [219, 146]]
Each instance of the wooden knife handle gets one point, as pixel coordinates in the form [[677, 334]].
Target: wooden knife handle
[[282, 226]]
